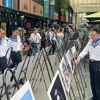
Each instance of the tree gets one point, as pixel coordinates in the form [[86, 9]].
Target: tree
[[63, 4]]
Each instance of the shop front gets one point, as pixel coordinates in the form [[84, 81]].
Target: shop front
[[1, 3]]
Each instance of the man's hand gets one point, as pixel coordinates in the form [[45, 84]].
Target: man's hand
[[10, 63], [77, 61], [21, 49]]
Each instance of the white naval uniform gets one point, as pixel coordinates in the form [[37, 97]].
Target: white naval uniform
[[16, 56], [94, 52], [15, 43], [3, 47], [3, 51], [93, 48]]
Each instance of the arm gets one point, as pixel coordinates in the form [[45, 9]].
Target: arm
[[83, 54], [51, 36], [40, 40], [8, 54], [30, 39]]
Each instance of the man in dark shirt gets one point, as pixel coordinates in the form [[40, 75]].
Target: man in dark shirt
[[43, 38]]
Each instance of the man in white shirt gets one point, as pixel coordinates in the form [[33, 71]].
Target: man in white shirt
[[35, 40], [93, 48], [14, 42], [3, 51]]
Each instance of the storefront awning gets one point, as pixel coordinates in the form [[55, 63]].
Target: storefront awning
[[85, 5], [13, 11], [95, 15]]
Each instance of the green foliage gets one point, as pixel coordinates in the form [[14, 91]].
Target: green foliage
[[63, 4]]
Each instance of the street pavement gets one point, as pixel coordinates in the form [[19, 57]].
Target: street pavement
[[40, 91]]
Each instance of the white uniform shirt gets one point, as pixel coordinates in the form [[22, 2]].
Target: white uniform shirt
[[3, 47], [15, 43], [35, 38], [94, 52]]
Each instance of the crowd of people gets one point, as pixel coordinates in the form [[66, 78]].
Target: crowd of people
[[11, 49]]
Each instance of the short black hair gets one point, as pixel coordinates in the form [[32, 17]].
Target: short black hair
[[96, 29], [14, 28], [53, 30], [61, 30]]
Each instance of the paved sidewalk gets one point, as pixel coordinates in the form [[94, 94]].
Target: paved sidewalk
[[40, 92]]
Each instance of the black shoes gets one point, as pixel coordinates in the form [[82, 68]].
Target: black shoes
[[21, 81]]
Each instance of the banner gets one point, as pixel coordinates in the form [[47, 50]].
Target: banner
[[8, 3], [52, 10], [46, 8]]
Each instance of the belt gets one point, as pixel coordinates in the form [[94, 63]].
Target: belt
[[92, 60], [15, 51], [3, 57], [36, 43]]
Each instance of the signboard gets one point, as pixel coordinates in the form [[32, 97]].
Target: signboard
[[52, 10], [15, 4], [24, 93], [40, 10], [24, 5], [46, 8], [8, 3], [34, 7]]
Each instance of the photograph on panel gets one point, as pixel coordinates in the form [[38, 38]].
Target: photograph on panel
[[70, 60], [24, 93], [56, 90], [78, 43], [74, 52], [65, 74]]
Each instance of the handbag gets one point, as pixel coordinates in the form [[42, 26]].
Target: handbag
[[33, 45], [29, 52]]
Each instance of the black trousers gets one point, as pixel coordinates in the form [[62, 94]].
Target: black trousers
[[16, 58], [53, 47], [94, 68], [43, 44], [3, 64]]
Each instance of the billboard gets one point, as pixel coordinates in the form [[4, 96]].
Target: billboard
[[8, 3], [46, 8]]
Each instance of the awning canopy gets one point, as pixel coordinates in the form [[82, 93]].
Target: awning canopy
[[13, 11], [95, 15], [85, 5]]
